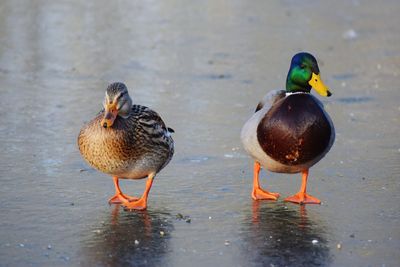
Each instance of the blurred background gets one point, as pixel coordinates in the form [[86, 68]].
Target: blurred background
[[203, 65]]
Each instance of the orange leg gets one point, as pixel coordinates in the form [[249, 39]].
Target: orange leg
[[141, 203], [119, 197], [302, 197], [259, 193]]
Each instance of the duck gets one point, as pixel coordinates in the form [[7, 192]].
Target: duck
[[126, 141], [290, 130]]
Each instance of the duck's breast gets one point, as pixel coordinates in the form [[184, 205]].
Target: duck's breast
[[104, 149], [296, 131]]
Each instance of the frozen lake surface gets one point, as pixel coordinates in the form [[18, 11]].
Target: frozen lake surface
[[203, 65]]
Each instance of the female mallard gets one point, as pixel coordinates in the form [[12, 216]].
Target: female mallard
[[126, 141], [290, 130]]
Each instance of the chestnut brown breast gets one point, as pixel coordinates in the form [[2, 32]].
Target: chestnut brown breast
[[295, 130]]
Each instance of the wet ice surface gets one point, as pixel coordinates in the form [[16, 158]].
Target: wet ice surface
[[203, 67]]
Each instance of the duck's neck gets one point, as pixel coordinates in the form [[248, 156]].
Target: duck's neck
[[295, 93], [295, 88], [295, 82]]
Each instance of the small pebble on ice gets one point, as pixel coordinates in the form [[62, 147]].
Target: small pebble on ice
[[162, 233], [227, 242], [315, 241], [48, 246], [66, 258], [209, 217], [350, 34], [339, 246], [136, 242], [186, 218], [21, 245]]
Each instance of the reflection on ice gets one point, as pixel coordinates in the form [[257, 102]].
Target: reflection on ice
[[128, 238], [283, 235]]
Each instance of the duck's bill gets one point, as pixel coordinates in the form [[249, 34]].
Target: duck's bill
[[318, 85], [110, 114]]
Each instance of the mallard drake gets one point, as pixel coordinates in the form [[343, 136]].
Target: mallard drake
[[126, 141], [290, 131]]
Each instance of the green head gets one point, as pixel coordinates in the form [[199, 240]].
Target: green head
[[304, 75]]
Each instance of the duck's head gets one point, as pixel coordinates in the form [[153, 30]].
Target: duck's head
[[117, 102], [304, 74]]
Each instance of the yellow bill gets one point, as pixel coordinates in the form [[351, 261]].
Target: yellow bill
[[318, 85]]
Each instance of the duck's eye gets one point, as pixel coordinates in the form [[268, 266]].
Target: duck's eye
[[302, 66], [120, 95]]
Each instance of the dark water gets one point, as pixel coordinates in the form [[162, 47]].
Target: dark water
[[203, 66]]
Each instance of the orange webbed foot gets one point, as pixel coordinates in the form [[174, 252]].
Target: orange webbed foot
[[121, 198], [260, 194], [303, 198], [139, 204]]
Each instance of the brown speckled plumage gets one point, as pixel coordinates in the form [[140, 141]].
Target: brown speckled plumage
[[131, 148]]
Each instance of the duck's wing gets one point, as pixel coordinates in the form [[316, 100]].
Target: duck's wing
[[156, 131], [269, 99], [149, 118], [153, 126]]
